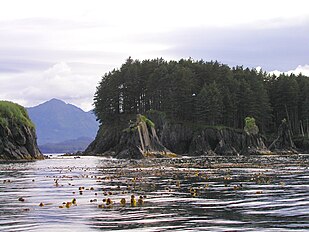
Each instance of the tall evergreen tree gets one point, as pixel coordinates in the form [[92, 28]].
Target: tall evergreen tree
[[209, 92], [210, 105]]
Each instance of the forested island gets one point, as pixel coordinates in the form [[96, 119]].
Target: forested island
[[199, 106]]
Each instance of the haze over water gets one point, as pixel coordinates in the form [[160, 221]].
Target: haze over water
[[266, 193]]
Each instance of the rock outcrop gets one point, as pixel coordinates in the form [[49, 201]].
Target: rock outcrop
[[302, 144], [140, 140], [17, 134], [283, 144], [136, 141], [212, 141]]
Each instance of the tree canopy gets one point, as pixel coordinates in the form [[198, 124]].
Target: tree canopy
[[205, 92]]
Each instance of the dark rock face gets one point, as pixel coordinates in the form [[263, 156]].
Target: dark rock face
[[283, 144], [302, 143], [18, 142], [128, 146], [176, 137], [179, 138], [107, 139], [200, 145], [134, 140], [254, 145]]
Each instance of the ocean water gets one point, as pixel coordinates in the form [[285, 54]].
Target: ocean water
[[266, 193]]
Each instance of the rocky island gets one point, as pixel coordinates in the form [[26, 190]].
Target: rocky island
[[156, 108], [17, 134]]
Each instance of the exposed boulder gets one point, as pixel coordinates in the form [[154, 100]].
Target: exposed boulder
[[17, 134]]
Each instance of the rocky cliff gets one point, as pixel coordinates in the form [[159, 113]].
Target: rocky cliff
[[135, 139], [122, 141], [182, 138], [17, 134], [283, 144]]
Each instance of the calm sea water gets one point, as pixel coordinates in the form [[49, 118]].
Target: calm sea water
[[267, 193]]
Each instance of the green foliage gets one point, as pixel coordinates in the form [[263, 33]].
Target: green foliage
[[209, 105], [133, 124], [4, 122], [12, 112], [284, 93], [250, 126], [146, 120]]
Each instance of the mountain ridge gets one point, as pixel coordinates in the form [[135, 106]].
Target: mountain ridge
[[57, 121], [67, 146]]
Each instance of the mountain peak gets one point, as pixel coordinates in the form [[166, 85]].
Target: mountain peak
[[55, 100], [57, 121]]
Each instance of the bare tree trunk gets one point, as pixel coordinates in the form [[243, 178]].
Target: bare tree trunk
[[288, 118], [141, 138], [302, 128]]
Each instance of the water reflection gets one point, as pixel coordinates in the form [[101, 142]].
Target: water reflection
[[213, 194]]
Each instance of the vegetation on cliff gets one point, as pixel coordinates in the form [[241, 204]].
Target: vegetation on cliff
[[17, 134], [207, 93], [13, 113]]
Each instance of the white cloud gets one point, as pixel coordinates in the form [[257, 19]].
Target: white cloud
[[56, 48], [58, 69], [303, 69], [300, 69], [258, 68], [275, 72], [59, 81]]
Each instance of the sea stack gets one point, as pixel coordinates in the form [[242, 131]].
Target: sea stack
[[17, 134], [134, 138]]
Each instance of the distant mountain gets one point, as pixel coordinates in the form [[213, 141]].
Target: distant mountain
[[68, 146], [57, 122]]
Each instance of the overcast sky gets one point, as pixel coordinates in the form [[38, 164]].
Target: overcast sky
[[61, 48]]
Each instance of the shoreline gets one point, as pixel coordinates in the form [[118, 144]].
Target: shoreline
[[213, 158]]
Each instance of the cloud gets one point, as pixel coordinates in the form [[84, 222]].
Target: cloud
[[58, 69], [300, 69], [19, 65], [59, 81], [61, 48], [279, 48]]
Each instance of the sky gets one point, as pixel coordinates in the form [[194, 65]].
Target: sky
[[62, 48]]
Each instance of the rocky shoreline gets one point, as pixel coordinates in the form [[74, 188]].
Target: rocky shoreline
[[165, 137]]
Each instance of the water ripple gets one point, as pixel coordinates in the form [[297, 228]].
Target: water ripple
[[266, 193]]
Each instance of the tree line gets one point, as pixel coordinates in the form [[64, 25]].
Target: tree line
[[204, 92]]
